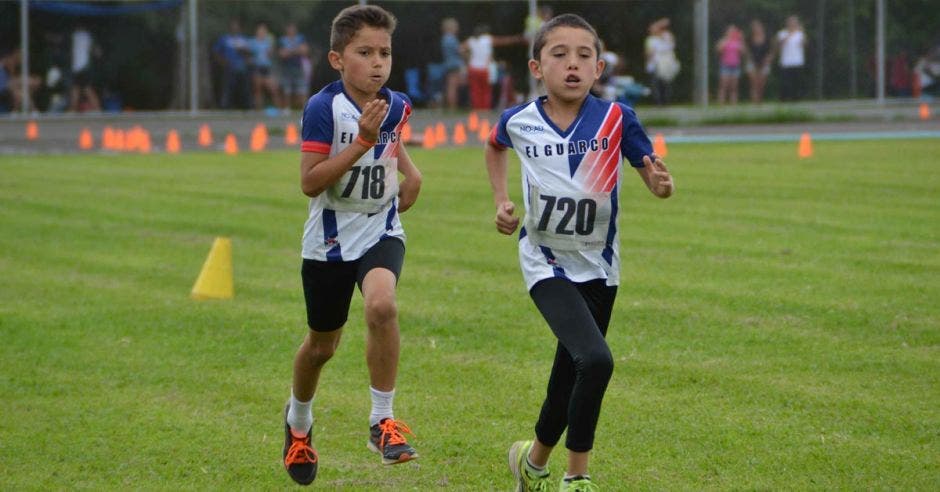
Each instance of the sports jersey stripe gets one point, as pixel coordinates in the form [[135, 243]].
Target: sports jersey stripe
[[600, 164], [584, 129], [550, 258], [608, 253], [330, 234], [317, 147], [390, 218]]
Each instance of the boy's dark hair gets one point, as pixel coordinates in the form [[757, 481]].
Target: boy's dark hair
[[351, 19], [563, 20]]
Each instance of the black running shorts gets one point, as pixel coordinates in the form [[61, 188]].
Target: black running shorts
[[328, 285]]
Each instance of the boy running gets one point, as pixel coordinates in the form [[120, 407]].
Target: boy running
[[351, 157], [571, 145]]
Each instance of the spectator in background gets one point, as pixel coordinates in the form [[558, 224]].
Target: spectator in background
[[900, 76], [532, 25], [262, 78], [927, 72], [55, 93], [230, 51], [791, 43], [661, 62], [759, 55], [452, 61], [83, 95], [730, 50], [481, 72], [295, 83]]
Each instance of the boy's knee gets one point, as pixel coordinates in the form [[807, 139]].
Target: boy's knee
[[320, 352], [598, 364], [380, 312]]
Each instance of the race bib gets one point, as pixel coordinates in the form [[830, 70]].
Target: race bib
[[568, 221], [367, 187]]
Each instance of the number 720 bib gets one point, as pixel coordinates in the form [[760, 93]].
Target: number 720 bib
[[568, 221]]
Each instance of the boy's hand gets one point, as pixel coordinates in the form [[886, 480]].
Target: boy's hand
[[408, 193], [506, 223], [372, 115], [660, 181]]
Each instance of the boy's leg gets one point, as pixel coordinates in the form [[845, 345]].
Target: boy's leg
[[327, 291], [578, 314], [378, 276]]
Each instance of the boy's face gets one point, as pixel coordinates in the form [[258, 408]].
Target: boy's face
[[568, 64], [365, 62]]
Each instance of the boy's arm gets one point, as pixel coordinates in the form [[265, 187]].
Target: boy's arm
[[496, 164], [409, 188], [320, 171], [656, 176]]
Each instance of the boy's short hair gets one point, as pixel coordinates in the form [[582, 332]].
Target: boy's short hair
[[351, 19], [563, 20]]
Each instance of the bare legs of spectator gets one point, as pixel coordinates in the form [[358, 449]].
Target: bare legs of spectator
[[728, 89], [758, 81], [88, 93], [262, 84], [451, 85]]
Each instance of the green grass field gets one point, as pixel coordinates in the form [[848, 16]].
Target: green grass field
[[778, 326]]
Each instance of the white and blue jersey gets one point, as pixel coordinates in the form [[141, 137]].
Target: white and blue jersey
[[570, 183], [360, 209]]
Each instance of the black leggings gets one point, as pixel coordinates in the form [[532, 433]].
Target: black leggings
[[578, 314]]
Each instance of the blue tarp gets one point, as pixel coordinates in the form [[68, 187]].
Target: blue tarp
[[101, 10]]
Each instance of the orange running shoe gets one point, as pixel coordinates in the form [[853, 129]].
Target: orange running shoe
[[300, 459], [386, 439]]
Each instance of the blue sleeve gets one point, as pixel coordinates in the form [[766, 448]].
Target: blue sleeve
[[634, 144], [501, 132], [317, 124]]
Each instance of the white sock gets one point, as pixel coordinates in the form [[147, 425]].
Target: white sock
[[536, 471], [569, 477], [300, 415], [381, 405]]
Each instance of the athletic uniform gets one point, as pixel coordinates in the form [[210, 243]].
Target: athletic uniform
[[569, 246], [353, 226]]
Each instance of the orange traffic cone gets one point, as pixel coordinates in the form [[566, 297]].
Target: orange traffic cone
[[473, 121], [659, 145], [460, 135], [205, 135], [118, 141], [32, 130], [406, 133], [440, 133], [231, 144], [259, 138], [484, 132], [143, 141], [131, 139], [924, 111], [290, 134], [806, 146], [107, 138], [428, 141], [85, 140], [173, 142]]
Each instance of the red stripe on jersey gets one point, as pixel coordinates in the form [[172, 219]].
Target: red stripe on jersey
[[602, 165], [317, 147], [492, 139]]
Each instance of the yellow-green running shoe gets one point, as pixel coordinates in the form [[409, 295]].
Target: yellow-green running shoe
[[525, 482], [578, 484]]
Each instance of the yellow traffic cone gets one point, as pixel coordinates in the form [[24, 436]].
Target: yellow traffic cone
[[215, 279]]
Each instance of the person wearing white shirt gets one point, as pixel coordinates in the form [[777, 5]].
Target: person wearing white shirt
[[791, 43]]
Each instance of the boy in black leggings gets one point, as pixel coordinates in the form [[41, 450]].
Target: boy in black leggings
[[571, 145]]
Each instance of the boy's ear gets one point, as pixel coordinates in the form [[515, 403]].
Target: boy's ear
[[601, 63], [535, 69], [336, 60]]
